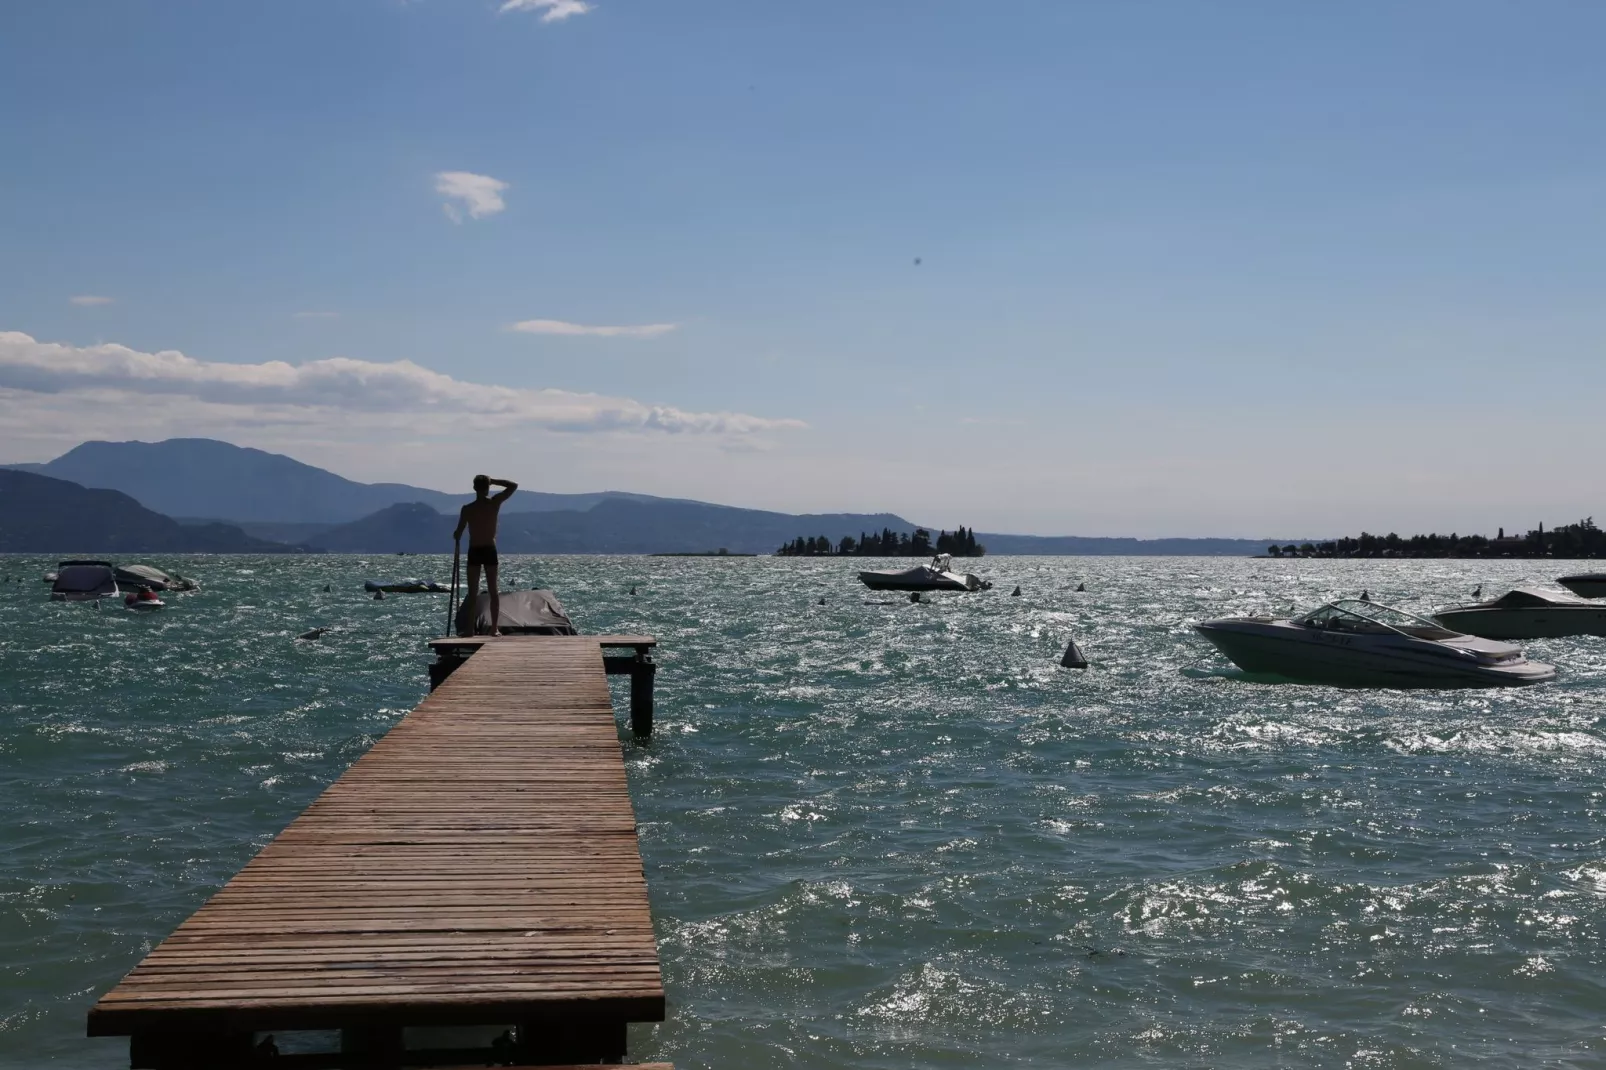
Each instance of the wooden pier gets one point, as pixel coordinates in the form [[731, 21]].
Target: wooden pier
[[477, 867]]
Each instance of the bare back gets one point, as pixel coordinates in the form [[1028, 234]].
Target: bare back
[[479, 517]]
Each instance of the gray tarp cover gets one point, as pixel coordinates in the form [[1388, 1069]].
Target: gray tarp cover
[[523, 613]]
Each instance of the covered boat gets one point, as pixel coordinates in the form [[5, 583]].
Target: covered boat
[[152, 578], [536, 612], [1525, 613], [83, 581], [937, 576], [1353, 643], [1586, 584], [413, 586]]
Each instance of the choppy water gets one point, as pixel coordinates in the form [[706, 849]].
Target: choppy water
[[885, 835]]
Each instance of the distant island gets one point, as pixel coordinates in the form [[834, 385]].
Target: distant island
[[1582, 539], [889, 543]]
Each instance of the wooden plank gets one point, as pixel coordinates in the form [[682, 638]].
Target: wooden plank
[[478, 865]]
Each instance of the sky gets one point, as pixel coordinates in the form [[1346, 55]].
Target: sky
[[1166, 268]]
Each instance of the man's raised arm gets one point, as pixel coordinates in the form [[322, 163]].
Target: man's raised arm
[[508, 487]]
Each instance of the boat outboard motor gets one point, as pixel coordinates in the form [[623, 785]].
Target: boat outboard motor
[[1074, 658]]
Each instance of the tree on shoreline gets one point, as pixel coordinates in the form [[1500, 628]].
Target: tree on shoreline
[[1582, 539]]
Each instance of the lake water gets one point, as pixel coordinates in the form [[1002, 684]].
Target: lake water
[[884, 835]]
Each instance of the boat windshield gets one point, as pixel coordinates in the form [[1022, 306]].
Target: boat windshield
[[1356, 615], [942, 562]]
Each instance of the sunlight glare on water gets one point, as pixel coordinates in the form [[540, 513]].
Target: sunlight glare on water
[[879, 834]]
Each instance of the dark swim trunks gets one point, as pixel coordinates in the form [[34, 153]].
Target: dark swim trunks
[[482, 555]]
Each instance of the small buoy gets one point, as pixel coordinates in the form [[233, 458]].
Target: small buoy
[[822, 601], [1015, 593], [314, 634], [326, 588], [1081, 586], [1479, 592], [1074, 658], [632, 592], [915, 598], [379, 596], [1366, 596]]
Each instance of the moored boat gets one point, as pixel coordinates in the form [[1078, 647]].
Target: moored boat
[[1525, 613], [1585, 584], [83, 581], [408, 586], [1355, 643], [937, 576]]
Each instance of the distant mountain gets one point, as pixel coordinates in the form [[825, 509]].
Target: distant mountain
[[614, 526], [202, 477], [39, 514]]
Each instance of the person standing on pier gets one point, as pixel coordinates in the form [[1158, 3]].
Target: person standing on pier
[[479, 517]]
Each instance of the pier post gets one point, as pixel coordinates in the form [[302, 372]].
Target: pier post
[[643, 672]]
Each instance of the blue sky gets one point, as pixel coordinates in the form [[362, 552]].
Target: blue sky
[[1243, 268]]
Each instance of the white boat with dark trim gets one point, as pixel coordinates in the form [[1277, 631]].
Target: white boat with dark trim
[[937, 576], [1525, 613], [1585, 584], [83, 581], [1355, 643]]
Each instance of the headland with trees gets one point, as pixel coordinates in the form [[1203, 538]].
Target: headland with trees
[[887, 543]]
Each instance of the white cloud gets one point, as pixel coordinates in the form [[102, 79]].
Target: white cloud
[[317, 315], [644, 330], [341, 390], [88, 300], [551, 10], [481, 194]]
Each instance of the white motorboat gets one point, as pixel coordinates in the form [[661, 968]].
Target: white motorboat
[[153, 578], [1585, 584], [1354, 643], [1525, 613], [937, 576], [407, 586], [83, 581]]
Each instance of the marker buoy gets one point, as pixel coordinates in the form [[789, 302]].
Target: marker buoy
[[1081, 586], [1074, 658], [1015, 593]]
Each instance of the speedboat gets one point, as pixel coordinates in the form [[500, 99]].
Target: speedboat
[[83, 581], [1355, 643], [1585, 584], [1525, 613], [411, 586], [937, 576]]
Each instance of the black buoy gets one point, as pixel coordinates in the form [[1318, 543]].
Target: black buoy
[[1479, 592], [915, 598], [822, 601], [632, 592], [1074, 658], [1081, 586], [1366, 596], [1015, 593], [326, 588]]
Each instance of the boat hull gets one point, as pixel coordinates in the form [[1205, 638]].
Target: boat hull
[[1540, 622], [899, 581], [1338, 660]]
